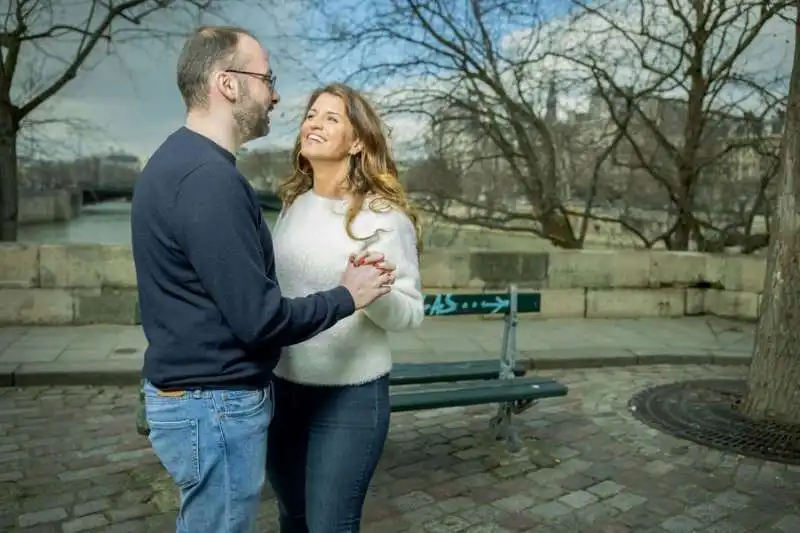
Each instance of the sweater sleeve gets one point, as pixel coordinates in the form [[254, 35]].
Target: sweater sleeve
[[403, 307], [218, 220]]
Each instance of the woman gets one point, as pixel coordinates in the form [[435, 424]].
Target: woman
[[332, 392]]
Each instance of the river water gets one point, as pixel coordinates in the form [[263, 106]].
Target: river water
[[107, 223]]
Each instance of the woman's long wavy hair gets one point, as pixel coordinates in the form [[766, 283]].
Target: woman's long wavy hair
[[372, 172]]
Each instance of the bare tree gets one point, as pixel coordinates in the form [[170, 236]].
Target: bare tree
[[45, 44], [457, 66], [673, 78], [774, 378]]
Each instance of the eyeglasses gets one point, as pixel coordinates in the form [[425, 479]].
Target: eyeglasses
[[269, 78]]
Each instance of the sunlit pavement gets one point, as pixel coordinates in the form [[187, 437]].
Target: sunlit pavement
[[107, 354]]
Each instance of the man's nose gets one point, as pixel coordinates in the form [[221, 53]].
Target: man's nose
[[276, 97]]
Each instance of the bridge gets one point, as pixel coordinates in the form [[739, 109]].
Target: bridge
[[269, 201], [105, 178], [115, 175]]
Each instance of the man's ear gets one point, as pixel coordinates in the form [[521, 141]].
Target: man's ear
[[356, 148], [227, 85]]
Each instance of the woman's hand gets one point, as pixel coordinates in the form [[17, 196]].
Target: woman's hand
[[375, 259]]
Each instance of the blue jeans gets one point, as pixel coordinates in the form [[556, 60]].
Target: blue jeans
[[213, 443], [324, 446]]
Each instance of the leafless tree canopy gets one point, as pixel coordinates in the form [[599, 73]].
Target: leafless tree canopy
[[655, 117], [45, 44]]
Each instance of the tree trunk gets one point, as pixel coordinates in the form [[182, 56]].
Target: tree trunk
[[9, 195], [558, 230], [773, 383]]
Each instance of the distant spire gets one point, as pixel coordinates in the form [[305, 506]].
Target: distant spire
[[552, 102]]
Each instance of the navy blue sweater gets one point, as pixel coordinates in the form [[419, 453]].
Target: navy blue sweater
[[210, 304]]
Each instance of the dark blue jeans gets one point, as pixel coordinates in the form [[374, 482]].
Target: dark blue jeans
[[324, 446]]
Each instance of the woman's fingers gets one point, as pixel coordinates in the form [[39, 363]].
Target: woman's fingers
[[366, 257]]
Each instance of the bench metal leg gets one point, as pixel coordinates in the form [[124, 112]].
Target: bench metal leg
[[502, 424], [504, 428]]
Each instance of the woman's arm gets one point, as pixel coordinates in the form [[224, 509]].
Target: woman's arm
[[403, 307]]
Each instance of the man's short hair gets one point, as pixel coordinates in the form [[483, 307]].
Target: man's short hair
[[207, 48]]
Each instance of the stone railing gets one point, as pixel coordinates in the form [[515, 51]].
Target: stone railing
[[86, 284]]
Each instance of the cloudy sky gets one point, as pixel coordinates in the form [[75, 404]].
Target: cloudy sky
[[131, 100], [130, 97]]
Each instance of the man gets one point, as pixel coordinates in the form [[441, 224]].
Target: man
[[211, 308]]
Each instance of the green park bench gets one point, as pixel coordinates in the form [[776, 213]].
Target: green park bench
[[419, 386]]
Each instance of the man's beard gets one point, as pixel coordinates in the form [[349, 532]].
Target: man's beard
[[251, 118]]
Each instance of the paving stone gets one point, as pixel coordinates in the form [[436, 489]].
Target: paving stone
[[625, 501], [130, 512], [453, 505], [412, 500], [658, 467], [446, 524], [483, 514], [725, 526], [515, 503], [606, 489], [423, 514], [138, 526], [788, 524], [707, 513], [542, 493], [550, 510], [85, 522], [92, 506], [577, 482], [578, 499], [40, 517], [518, 522], [597, 513], [681, 524]]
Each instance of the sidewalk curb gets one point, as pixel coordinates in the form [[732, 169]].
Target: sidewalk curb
[[129, 373]]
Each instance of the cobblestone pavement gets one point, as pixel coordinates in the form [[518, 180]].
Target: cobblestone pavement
[[70, 461]]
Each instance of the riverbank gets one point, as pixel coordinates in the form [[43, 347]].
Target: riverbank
[[51, 206]]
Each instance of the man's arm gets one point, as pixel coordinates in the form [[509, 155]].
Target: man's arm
[[218, 231]]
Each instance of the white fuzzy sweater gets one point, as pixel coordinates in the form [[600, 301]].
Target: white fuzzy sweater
[[311, 251]]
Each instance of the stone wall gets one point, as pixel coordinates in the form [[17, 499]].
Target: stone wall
[[57, 205], [84, 284]]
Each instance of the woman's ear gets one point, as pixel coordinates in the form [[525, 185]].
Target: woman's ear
[[356, 148]]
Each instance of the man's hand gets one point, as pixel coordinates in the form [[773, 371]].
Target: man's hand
[[367, 281]]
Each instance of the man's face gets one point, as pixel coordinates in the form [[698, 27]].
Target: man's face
[[257, 93]]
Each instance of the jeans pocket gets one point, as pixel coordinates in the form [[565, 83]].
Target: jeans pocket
[[239, 403], [176, 443]]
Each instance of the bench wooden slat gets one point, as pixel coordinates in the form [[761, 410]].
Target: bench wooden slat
[[410, 373], [489, 303], [440, 395]]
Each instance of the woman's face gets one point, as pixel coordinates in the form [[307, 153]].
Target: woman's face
[[326, 133]]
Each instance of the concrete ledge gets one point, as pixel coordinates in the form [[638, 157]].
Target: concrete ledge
[[95, 283], [7, 372], [80, 373], [583, 358], [128, 372]]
